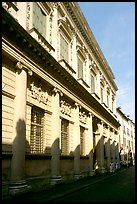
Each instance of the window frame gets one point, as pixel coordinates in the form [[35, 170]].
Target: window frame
[[43, 15], [80, 69], [68, 48], [34, 137], [93, 89], [82, 141], [64, 143]]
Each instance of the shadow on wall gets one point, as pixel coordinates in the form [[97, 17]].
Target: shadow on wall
[[21, 147], [18, 150]]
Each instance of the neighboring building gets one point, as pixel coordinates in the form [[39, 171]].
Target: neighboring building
[[58, 97], [126, 138]]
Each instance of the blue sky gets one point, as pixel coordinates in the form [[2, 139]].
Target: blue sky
[[113, 25]]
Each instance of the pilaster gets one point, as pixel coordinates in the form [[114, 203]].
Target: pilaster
[[22, 16], [55, 32], [74, 52]]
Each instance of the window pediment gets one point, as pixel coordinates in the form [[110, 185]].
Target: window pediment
[[80, 51], [65, 27]]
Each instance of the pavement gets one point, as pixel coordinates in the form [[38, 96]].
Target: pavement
[[59, 190]]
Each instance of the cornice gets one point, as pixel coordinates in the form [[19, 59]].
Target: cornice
[[12, 31], [79, 19]]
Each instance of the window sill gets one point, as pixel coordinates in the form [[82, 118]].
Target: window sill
[[71, 157], [67, 66], [95, 94], [41, 39], [84, 157], [37, 156], [83, 82], [7, 155]]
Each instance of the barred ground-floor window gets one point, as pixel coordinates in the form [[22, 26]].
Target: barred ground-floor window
[[64, 137], [36, 137], [82, 141]]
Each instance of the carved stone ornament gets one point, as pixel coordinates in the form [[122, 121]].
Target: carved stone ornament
[[38, 94], [21, 66], [83, 117], [65, 108]]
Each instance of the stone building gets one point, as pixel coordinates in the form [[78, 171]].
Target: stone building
[[58, 97], [126, 138]]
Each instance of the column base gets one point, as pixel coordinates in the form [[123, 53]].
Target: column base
[[92, 173], [56, 180], [17, 188], [102, 170], [77, 176]]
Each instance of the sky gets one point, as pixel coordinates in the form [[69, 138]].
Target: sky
[[113, 26]]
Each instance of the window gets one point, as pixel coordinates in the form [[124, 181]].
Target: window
[[64, 49], [108, 99], [112, 105], [36, 137], [64, 137], [124, 142], [80, 68], [101, 93], [92, 84], [105, 155], [127, 131], [124, 129], [39, 19], [82, 141]]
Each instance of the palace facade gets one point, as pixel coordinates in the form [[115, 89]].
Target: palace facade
[[58, 97], [126, 138]]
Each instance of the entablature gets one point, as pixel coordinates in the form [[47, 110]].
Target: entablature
[[20, 38]]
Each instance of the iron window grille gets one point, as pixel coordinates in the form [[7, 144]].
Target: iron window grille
[[36, 138]]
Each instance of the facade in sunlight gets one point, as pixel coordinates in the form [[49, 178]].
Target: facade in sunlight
[[58, 97], [126, 138]]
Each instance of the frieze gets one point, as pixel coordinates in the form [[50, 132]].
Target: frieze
[[83, 117], [65, 108], [38, 94]]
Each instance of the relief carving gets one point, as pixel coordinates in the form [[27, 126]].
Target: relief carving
[[65, 108], [83, 117], [38, 94]]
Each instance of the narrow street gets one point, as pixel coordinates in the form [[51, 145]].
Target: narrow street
[[119, 187]]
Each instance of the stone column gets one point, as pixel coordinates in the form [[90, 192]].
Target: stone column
[[18, 183], [108, 147], [76, 142], [55, 151], [90, 143], [113, 146], [100, 146]]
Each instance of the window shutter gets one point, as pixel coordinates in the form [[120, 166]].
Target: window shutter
[[63, 49], [101, 90], [80, 69], [92, 84], [39, 19]]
